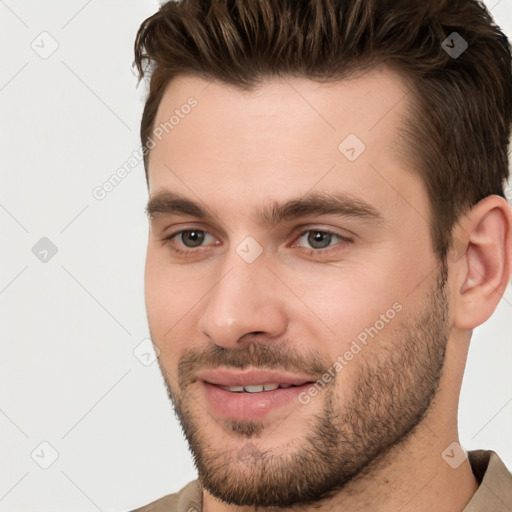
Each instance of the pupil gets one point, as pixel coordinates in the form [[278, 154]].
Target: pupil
[[192, 238], [319, 239]]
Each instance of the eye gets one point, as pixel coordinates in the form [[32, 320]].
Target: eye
[[190, 238], [318, 239]]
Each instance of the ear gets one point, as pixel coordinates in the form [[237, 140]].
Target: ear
[[482, 244]]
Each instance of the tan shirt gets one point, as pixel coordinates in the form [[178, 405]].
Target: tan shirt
[[494, 493]]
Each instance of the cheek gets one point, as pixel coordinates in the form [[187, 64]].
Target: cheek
[[364, 311], [167, 298], [174, 296], [164, 309], [346, 300]]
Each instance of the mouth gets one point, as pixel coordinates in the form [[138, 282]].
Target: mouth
[[260, 388], [251, 394], [253, 379]]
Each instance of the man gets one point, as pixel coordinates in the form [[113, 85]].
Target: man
[[327, 227]]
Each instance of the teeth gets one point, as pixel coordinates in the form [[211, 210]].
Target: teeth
[[255, 388], [238, 389]]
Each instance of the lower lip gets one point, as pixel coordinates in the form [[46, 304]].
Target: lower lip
[[250, 406]]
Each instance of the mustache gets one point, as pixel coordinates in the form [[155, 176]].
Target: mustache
[[264, 356]]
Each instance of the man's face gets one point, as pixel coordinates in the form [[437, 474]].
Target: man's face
[[293, 250]]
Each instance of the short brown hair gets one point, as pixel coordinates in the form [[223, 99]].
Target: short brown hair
[[458, 129]]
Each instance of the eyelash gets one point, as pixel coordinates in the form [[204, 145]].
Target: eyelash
[[308, 251]]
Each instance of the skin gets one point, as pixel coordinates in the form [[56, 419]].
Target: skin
[[377, 432]]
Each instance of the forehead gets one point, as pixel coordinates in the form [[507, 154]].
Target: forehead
[[286, 136]]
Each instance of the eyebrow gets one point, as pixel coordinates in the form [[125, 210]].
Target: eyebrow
[[313, 203]]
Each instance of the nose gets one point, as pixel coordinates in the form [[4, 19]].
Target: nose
[[244, 302]]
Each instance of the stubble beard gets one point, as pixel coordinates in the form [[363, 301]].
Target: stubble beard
[[389, 398]]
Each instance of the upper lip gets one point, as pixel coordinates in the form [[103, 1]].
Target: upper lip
[[225, 377]]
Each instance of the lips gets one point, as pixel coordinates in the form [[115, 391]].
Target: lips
[[250, 406], [251, 394], [252, 378]]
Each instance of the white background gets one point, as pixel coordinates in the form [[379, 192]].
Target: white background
[[69, 326]]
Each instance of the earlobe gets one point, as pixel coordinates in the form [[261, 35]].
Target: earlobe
[[484, 270]]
